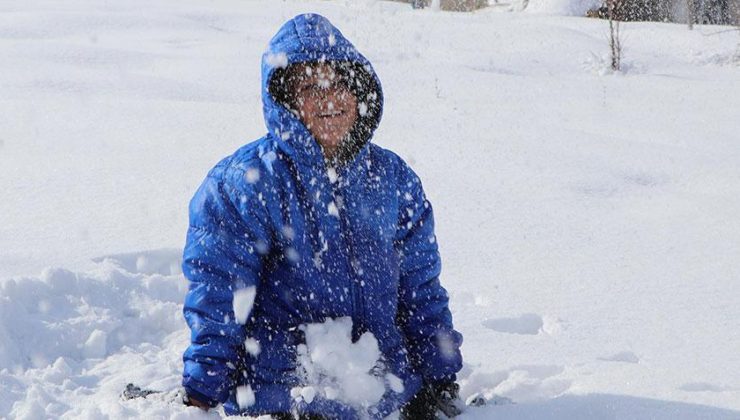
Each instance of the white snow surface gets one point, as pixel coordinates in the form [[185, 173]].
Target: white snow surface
[[587, 220], [562, 7]]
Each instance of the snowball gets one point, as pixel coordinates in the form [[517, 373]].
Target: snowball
[[288, 232], [446, 344], [395, 383], [277, 60], [252, 175], [252, 346], [332, 174], [262, 247], [332, 209], [340, 369], [268, 158], [330, 393], [244, 396], [243, 301], [308, 393], [292, 255]]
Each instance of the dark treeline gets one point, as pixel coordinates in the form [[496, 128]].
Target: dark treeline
[[721, 12]]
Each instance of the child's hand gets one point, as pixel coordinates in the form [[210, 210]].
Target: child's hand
[[432, 398], [447, 399]]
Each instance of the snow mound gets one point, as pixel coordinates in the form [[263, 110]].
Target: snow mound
[[70, 342], [85, 315], [164, 261]]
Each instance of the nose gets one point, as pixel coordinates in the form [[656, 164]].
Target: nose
[[332, 99]]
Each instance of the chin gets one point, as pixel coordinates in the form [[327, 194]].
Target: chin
[[330, 140]]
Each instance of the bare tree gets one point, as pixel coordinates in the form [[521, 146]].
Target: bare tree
[[691, 13], [615, 40]]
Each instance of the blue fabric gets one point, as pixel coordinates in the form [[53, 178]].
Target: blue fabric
[[315, 246]]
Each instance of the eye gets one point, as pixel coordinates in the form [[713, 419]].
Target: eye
[[310, 90]]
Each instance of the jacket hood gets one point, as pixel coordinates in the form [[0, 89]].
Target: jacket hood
[[311, 38]]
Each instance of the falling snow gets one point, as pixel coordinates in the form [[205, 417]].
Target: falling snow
[[587, 219], [278, 60], [243, 302], [330, 360]]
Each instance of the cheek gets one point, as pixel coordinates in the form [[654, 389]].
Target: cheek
[[349, 120], [349, 99], [306, 107], [307, 112]]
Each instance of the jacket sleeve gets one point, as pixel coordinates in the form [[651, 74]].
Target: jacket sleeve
[[225, 243], [423, 312]]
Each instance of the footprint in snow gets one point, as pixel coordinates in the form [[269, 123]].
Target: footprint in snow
[[520, 383], [530, 324]]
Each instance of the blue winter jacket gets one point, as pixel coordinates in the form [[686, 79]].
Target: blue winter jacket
[[317, 242]]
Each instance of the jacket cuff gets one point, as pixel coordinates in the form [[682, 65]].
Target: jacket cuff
[[196, 395]]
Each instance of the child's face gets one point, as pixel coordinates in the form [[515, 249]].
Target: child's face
[[325, 104]]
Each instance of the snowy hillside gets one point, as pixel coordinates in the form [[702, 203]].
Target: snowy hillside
[[588, 221]]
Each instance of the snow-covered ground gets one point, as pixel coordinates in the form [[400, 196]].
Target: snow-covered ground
[[588, 221]]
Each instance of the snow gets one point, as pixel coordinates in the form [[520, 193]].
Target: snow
[[332, 174], [101, 330], [252, 347], [252, 175], [587, 219], [244, 396], [332, 209], [563, 7], [524, 324], [95, 347], [395, 383], [243, 302], [278, 60], [332, 363], [308, 393]]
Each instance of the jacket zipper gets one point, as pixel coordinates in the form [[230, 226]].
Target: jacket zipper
[[357, 303]]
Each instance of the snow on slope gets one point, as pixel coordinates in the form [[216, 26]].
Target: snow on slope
[[562, 7], [587, 220]]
